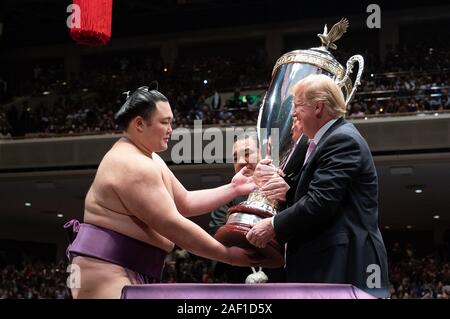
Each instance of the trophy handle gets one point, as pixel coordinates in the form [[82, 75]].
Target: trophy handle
[[350, 63]]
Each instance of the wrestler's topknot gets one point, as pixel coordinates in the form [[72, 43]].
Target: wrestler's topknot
[[141, 102]]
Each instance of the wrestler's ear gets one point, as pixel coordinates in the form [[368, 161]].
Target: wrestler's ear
[[139, 123]]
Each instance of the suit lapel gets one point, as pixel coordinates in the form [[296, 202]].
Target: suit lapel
[[295, 163], [311, 158]]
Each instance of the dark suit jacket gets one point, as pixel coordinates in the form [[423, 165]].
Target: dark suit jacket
[[331, 224], [294, 165]]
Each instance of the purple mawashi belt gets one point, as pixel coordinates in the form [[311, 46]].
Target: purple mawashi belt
[[105, 244]]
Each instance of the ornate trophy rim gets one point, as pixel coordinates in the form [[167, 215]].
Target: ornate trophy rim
[[318, 59]]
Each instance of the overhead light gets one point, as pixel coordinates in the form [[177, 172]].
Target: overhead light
[[387, 227], [27, 204], [60, 215], [408, 226], [165, 69], [436, 216], [85, 90], [205, 82], [365, 118], [436, 114], [417, 188], [45, 93]]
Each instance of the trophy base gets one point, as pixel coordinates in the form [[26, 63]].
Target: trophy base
[[234, 235]]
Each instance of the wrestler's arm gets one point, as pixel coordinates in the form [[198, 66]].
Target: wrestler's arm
[[150, 201], [193, 203]]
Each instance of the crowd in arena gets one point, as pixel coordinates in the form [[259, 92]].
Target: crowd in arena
[[414, 81], [88, 103], [34, 280], [43, 103], [411, 276], [420, 278], [414, 276]]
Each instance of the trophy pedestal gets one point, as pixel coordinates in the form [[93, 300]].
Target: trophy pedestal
[[234, 235], [241, 219]]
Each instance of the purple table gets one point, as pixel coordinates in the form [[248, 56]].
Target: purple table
[[244, 291]]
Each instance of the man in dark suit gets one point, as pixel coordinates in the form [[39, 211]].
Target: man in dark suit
[[331, 223]]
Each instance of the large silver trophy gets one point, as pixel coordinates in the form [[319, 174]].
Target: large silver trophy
[[274, 130]]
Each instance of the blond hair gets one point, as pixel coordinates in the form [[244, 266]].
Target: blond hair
[[322, 88]]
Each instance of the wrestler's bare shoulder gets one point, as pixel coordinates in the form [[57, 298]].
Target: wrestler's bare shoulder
[[120, 165]]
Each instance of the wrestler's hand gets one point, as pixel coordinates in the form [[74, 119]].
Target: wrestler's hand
[[244, 257], [261, 233], [243, 182], [264, 171], [275, 188]]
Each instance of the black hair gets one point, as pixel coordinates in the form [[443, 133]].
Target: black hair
[[141, 103], [252, 135]]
